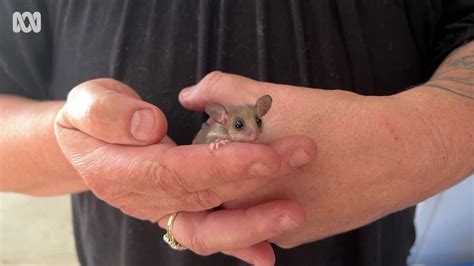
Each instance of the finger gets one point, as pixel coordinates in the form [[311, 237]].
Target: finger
[[209, 232], [111, 111], [208, 179], [294, 152], [223, 88], [179, 175], [194, 168], [260, 254]]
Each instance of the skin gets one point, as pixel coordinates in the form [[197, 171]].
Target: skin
[[148, 181], [94, 141], [31, 161], [376, 155]]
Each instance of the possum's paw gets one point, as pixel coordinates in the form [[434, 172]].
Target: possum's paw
[[217, 144]]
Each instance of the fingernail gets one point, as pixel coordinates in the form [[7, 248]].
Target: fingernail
[[299, 157], [287, 224], [142, 124], [185, 93], [260, 169]]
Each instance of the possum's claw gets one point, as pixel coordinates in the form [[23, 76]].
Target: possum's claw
[[217, 144]]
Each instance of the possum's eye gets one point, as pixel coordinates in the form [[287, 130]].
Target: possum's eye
[[259, 121], [239, 124]]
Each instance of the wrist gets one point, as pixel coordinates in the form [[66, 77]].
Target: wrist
[[32, 162], [446, 120], [52, 157]]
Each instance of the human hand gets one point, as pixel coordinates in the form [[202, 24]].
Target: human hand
[[131, 164], [376, 155]]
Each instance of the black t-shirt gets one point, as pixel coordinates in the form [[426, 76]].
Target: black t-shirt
[[159, 47]]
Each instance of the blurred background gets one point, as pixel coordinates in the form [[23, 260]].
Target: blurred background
[[38, 231], [445, 227]]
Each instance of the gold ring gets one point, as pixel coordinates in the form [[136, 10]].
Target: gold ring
[[169, 238]]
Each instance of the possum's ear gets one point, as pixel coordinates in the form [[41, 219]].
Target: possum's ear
[[263, 105], [217, 111]]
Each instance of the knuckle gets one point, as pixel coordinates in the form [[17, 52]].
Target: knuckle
[[219, 171], [163, 180], [103, 83], [204, 200], [82, 91], [91, 104], [96, 107], [211, 80], [76, 91], [86, 86], [112, 85]]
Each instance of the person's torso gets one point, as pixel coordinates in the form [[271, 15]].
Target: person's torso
[[159, 47]]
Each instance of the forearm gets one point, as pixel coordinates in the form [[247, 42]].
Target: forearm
[[446, 104], [31, 161]]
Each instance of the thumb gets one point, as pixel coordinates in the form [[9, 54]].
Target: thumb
[[111, 111], [226, 89]]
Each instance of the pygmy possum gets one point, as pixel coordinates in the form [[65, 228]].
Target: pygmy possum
[[233, 123]]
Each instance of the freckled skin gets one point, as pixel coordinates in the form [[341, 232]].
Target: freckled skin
[[237, 123]]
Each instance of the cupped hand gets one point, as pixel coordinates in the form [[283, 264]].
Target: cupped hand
[[118, 145], [375, 154]]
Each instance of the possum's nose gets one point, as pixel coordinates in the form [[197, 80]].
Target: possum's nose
[[252, 136]]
